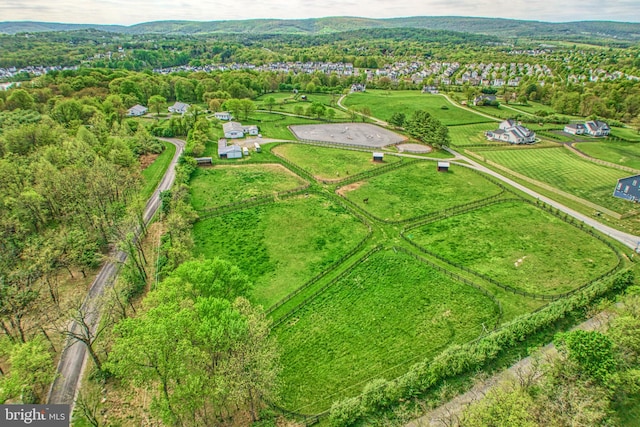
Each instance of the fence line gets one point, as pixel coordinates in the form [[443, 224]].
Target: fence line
[[509, 288], [325, 287]]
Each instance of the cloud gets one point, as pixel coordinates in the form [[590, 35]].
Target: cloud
[[135, 11]]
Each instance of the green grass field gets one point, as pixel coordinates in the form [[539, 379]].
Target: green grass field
[[221, 185], [286, 103], [418, 189], [281, 245], [471, 134], [621, 153], [153, 173], [384, 103], [499, 111], [567, 172], [330, 163], [387, 313], [518, 245], [626, 133]]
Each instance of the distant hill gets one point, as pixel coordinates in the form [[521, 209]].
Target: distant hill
[[488, 26]]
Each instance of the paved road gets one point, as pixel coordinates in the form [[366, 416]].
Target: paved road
[[625, 238], [74, 355]]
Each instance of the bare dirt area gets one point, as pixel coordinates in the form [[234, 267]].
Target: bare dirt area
[[351, 187], [362, 134], [414, 148], [147, 159]]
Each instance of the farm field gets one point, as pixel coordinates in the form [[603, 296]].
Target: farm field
[[330, 163], [287, 104], [221, 185], [621, 153], [511, 243], [499, 111], [384, 103], [280, 245], [418, 189], [566, 171], [625, 133], [471, 134], [381, 317]]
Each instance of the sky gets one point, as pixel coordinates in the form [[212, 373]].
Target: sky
[[127, 12]]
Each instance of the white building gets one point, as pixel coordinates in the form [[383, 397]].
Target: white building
[[233, 130], [137, 111], [228, 151], [223, 115], [513, 133], [179, 108]]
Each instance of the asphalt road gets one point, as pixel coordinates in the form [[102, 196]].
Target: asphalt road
[[74, 356]]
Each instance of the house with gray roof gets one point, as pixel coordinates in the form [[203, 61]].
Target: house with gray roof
[[179, 108], [226, 151], [597, 128], [575, 128], [512, 132], [137, 111], [628, 188]]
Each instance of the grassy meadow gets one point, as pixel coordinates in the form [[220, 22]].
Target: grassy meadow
[[621, 153], [221, 185], [152, 174], [280, 245], [518, 245], [566, 171], [384, 103], [330, 163], [418, 189], [472, 134], [384, 315]]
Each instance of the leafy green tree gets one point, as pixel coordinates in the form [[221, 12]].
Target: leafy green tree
[[247, 107], [397, 119], [270, 102], [31, 372], [591, 350], [157, 102], [19, 98], [427, 129]]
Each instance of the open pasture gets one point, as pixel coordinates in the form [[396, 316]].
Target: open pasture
[[628, 134], [280, 245], [472, 134], [381, 317], [566, 171], [221, 185], [330, 163], [418, 189], [621, 153], [362, 134], [518, 245], [384, 103]]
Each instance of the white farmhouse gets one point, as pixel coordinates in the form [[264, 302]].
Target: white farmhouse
[[228, 151], [233, 130], [223, 115], [513, 133], [137, 111], [179, 108]]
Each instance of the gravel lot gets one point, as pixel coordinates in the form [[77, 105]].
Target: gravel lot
[[362, 134]]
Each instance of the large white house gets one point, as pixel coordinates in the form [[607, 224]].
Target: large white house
[[179, 108], [593, 128], [574, 128], [512, 132], [234, 130], [137, 111], [597, 128]]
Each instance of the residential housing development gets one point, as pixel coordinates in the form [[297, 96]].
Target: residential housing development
[[512, 132]]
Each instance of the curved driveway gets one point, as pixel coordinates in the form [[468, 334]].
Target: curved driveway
[[626, 239], [74, 356]]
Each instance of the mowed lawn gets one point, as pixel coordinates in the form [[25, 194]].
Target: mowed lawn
[[280, 245], [384, 103], [384, 315], [330, 163], [621, 153], [518, 245], [221, 185], [566, 171], [418, 189], [472, 134]]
